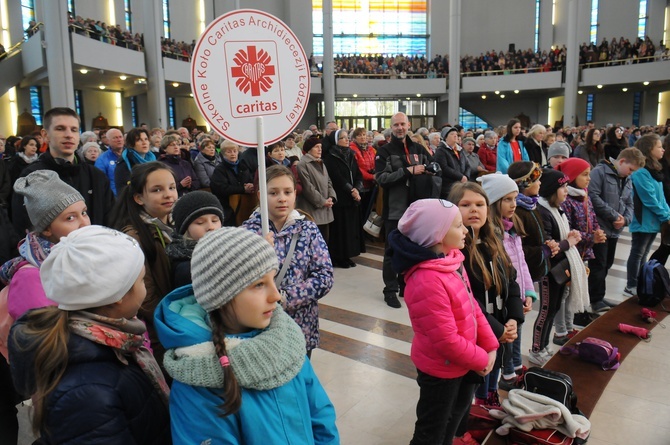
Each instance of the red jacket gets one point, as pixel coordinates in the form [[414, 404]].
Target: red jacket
[[366, 163], [451, 334], [489, 157]]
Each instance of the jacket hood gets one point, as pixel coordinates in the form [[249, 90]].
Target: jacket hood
[[180, 321], [406, 254]]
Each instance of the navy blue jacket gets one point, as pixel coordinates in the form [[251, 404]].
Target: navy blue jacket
[[99, 400]]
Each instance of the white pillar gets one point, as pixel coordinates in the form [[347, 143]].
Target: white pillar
[[328, 62], [571, 66], [59, 55], [156, 95], [454, 60]]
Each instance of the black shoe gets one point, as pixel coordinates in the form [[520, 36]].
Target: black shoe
[[583, 319], [392, 301], [341, 264], [350, 263]]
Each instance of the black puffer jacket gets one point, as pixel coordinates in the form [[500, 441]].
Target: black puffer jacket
[[99, 400]]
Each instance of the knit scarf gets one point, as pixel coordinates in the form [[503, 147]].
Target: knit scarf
[[578, 299], [266, 361], [28, 159], [131, 157], [125, 338], [33, 249], [234, 165], [526, 202], [577, 193], [164, 230]]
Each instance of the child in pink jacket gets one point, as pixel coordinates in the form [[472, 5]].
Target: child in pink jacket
[[453, 345]]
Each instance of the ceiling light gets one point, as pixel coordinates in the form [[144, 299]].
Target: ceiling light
[[355, 95], [190, 94], [123, 77], [497, 92], [599, 86], [645, 83], [580, 92], [483, 96], [83, 71], [407, 98], [502, 96], [516, 91], [418, 94], [102, 87], [175, 84], [345, 99], [624, 89]]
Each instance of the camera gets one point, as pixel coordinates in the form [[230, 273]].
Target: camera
[[433, 168]]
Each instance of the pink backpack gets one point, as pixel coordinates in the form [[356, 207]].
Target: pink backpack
[[595, 350]]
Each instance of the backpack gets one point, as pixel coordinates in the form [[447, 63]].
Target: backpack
[[595, 350], [553, 384], [653, 283]]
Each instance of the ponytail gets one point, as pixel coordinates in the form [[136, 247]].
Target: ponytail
[[47, 329], [232, 394]]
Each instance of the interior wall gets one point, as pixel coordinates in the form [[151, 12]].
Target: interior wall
[[101, 102]]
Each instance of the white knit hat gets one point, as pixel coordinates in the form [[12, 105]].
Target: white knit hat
[[497, 186], [225, 262], [91, 267]]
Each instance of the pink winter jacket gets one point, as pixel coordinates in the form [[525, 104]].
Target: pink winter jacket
[[451, 334]]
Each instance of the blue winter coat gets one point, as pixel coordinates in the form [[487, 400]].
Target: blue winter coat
[[649, 193], [297, 413], [505, 156], [99, 400]]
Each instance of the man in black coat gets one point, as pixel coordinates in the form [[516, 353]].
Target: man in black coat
[[395, 164], [61, 130]]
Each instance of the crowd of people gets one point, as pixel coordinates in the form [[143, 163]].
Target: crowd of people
[[616, 52], [181, 326], [99, 30], [172, 49]]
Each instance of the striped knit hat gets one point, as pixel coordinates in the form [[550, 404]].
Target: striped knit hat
[[227, 261]]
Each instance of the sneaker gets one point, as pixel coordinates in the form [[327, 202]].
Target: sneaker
[[392, 301], [493, 399], [610, 303], [521, 371], [629, 292], [539, 358], [510, 384], [600, 306], [548, 351], [467, 439], [563, 339]]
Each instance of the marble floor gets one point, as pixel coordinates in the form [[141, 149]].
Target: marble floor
[[364, 365]]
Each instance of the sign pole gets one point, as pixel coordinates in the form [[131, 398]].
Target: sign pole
[[262, 185]]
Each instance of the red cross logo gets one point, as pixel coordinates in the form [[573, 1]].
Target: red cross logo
[[253, 71]]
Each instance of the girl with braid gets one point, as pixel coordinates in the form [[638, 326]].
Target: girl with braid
[[237, 359]]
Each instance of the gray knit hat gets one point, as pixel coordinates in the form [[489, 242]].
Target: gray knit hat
[[225, 262], [558, 148], [45, 197]]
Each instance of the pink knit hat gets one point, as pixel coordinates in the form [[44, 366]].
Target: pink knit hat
[[573, 167], [427, 221]]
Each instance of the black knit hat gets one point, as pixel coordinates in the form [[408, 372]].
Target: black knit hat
[[193, 205], [309, 144], [552, 180]]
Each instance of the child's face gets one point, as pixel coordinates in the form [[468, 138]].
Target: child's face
[[474, 210], [625, 168], [159, 195], [253, 307], [562, 194], [205, 223], [278, 153], [281, 197], [582, 181], [128, 306], [69, 220], [508, 205], [533, 189], [657, 151], [455, 236], [556, 160]]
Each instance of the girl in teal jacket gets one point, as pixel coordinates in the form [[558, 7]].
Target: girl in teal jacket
[[237, 359]]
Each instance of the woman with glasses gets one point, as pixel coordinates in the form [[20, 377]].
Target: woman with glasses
[[615, 142], [345, 230]]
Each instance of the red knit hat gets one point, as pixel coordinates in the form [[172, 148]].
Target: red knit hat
[[573, 167]]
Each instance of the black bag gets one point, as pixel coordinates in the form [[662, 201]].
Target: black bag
[[561, 272], [653, 283], [553, 384], [424, 186]]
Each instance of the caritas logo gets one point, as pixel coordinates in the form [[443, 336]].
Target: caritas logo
[[254, 71], [254, 68]]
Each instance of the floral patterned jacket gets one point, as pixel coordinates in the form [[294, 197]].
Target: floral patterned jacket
[[578, 208], [310, 275]]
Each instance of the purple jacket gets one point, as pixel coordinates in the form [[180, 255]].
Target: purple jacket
[[582, 217], [514, 248]]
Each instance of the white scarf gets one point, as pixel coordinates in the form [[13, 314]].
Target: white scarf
[[578, 299]]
